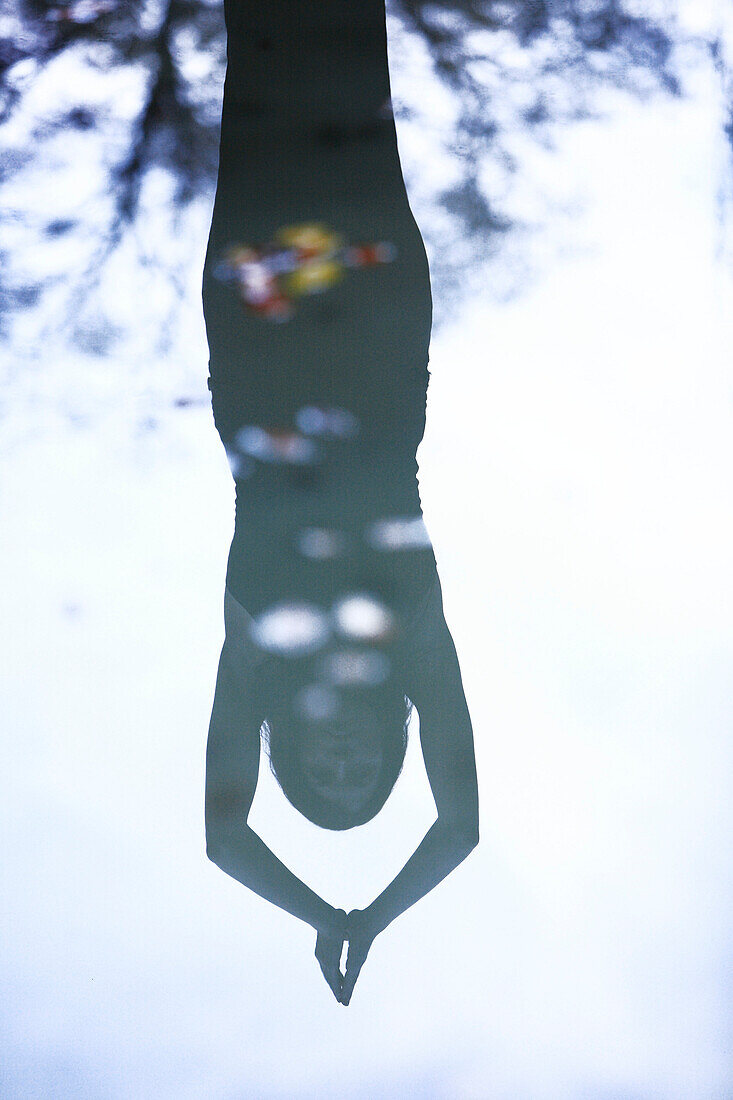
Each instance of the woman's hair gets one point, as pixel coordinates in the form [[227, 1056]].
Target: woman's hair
[[392, 712]]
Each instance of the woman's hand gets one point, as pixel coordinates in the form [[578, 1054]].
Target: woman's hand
[[329, 946], [361, 931]]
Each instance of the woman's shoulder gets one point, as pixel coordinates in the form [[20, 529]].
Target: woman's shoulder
[[426, 655], [238, 633]]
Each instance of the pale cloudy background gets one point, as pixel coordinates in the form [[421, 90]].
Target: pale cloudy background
[[576, 480]]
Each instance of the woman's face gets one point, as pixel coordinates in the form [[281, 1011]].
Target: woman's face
[[342, 759]]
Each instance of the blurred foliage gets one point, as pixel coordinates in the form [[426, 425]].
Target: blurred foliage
[[176, 128], [142, 79]]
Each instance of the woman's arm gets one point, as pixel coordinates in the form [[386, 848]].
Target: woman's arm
[[232, 765], [452, 775], [434, 682], [432, 676], [446, 738]]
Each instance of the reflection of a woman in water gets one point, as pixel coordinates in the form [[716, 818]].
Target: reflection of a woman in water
[[333, 613]]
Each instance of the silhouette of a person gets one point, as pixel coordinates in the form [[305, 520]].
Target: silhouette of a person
[[318, 313]]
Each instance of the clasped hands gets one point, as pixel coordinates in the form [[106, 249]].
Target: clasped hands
[[358, 929]]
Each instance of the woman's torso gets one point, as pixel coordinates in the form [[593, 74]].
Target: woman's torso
[[308, 138]]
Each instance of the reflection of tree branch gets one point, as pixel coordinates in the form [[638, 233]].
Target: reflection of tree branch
[[466, 201], [172, 132], [561, 40], [166, 130], [164, 110], [161, 105]]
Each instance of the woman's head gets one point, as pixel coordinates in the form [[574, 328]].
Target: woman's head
[[338, 769]]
